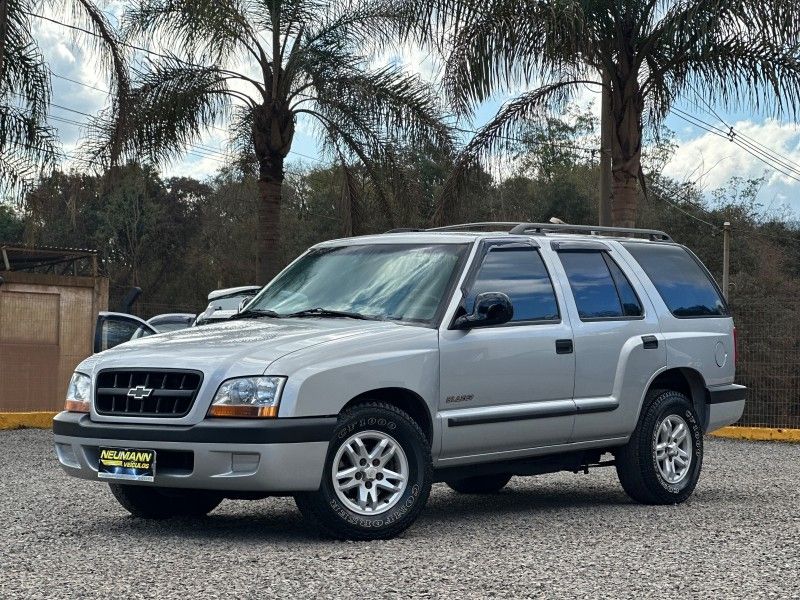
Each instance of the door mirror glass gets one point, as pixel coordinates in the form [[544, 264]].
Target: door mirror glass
[[244, 302], [491, 308], [113, 329]]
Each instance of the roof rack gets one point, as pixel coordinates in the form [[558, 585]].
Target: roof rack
[[504, 225], [517, 227], [540, 228]]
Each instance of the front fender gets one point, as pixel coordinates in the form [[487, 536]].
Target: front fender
[[323, 378]]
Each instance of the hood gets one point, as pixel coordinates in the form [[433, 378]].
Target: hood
[[241, 347]]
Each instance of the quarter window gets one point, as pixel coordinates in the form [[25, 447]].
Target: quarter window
[[685, 286], [599, 286], [518, 272]]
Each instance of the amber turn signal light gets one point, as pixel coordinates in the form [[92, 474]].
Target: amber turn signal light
[[239, 410], [76, 406]]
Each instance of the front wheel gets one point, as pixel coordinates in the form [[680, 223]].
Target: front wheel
[[162, 503], [661, 463], [377, 475]]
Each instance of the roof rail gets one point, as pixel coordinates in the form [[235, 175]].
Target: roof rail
[[517, 227], [652, 234], [503, 225]]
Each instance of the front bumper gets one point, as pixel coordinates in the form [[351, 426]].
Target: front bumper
[[280, 455]]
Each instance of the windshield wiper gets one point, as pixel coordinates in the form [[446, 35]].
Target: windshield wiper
[[256, 312], [324, 312]]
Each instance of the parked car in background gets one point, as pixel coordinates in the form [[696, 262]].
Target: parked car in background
[[115, 328], [223, 304], [172, 321]]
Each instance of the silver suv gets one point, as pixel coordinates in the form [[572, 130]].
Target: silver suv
[[372, 367]]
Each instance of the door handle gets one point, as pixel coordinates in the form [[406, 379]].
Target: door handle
[[649, 342], [564, 347]]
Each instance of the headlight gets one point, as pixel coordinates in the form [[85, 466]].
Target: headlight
[[79, 393], [248, 397]]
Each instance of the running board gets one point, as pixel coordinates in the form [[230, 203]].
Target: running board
[[576, 462]]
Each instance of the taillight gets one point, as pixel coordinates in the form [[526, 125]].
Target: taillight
[[735, 344]]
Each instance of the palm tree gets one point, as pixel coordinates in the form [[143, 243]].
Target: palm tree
[[28, 143], [649, 53], [260, 65]]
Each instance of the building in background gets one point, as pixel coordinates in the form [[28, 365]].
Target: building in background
[[49, 299]]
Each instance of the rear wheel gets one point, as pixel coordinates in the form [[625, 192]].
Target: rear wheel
[[481, 484], [661, 463], [377, 475], [162, 503]]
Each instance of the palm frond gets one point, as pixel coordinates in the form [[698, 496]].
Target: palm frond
[[114, 57], [27, 143], [515, 43], [207, 31], [388, 101], [501, 133], [734, 53], [172, 105]]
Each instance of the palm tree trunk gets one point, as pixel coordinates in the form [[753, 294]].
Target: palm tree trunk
[[3, 33], [627, 106], [270, 183]]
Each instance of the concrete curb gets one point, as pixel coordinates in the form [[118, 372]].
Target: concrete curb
[[26, 420], [759, 434]]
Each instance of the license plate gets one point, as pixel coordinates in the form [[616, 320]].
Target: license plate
[[133, 464]]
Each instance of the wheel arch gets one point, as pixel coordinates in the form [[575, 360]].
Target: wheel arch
[[685, 380], [402, 398]]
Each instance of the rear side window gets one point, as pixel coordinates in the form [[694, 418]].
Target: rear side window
[[683, 283], [518, 272], [600, 288]]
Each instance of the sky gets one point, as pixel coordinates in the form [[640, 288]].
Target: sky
[[700, 155]]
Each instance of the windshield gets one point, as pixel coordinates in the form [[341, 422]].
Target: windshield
[[403, 282]]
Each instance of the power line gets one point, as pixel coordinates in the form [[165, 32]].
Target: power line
[[733, 133], [97, 35], [715, 131], [533, 142]]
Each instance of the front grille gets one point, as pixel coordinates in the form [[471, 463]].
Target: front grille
[[146, 392]]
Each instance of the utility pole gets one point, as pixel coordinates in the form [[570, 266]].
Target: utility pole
[[604, 201], [726, 257]]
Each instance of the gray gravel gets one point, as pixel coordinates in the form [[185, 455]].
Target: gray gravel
[[556, 536]]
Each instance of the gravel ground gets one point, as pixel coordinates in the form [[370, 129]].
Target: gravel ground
[[556, 536]]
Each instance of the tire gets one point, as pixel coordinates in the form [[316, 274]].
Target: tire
[[643, 465], [482, 484], [163, 503], [352, 510]]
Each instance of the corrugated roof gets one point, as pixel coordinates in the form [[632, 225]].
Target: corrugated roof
[[16, 256]]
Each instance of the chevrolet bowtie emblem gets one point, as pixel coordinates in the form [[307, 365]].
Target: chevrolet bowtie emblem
[[139, 392]]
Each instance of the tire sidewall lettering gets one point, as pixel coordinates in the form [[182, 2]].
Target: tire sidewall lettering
[[697, 445], [406, 503]]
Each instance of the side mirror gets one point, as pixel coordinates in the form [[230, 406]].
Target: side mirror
[[244, 302], [491, 308]]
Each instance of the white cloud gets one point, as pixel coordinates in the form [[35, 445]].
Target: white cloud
[[712, 160]]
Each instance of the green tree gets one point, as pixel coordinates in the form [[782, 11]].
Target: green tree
[[11, 225], [734, 53], [292, 58]]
